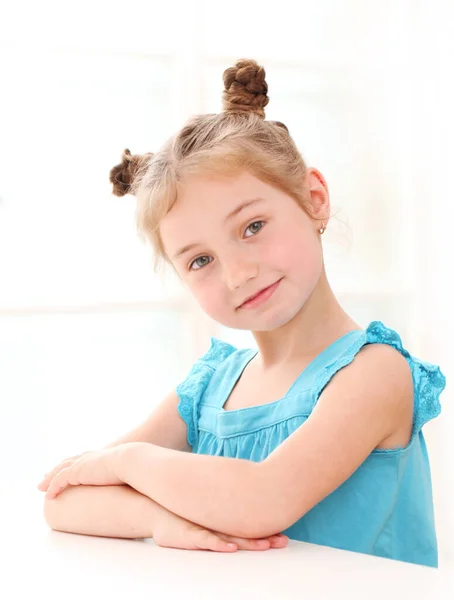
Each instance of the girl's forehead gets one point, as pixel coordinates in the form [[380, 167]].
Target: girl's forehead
[[202, 197], [229, 188]]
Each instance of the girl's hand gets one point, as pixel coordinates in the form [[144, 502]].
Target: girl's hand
[[172, 531], [92, 468], [44, 484]]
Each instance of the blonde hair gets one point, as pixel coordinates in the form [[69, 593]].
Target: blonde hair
[[237, 139]]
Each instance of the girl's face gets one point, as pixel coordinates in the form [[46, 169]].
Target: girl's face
[[229, 238]]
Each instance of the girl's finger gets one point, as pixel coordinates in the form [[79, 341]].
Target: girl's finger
[[210, 541], [273, 541], [57, 468], [246, 544], [59, 465], [278, 541], [44, 484], [58, 484]]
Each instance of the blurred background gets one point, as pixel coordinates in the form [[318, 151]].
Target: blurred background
[[90, 339]]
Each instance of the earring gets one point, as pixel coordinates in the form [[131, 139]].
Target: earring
[[322, 229]]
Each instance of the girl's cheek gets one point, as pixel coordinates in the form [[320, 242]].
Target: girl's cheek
[[300, 258], [310, 264], [281, 256], [206, 295]]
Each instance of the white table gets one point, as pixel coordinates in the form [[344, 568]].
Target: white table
[[40, 563]]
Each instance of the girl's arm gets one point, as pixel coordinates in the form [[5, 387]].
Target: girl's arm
[[122, 512], [107, 511], [362, 405]]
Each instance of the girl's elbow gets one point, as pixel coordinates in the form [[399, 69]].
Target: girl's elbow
[[269, 511], [264, 522], [272, 518], [256, 530]]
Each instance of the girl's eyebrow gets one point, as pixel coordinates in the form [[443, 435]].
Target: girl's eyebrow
[[234, 212]]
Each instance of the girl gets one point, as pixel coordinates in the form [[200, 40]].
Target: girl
[[318, 434]]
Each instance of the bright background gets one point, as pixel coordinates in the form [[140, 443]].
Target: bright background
[[90, 339]]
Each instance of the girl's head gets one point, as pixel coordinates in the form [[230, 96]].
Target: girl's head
[[189, 196]]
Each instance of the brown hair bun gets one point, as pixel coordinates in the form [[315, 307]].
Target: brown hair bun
[[245, 88], [122, 176]]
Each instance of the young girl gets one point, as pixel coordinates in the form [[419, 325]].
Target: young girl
[[318, 434]]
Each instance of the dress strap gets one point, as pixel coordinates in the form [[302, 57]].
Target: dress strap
[[327, 357], [225, 378]]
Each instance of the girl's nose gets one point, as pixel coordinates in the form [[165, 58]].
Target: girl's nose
[[238, 272]]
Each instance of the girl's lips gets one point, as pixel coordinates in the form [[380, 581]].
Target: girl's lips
[[261, 297]]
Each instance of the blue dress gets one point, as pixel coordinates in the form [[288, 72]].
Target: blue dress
[[385, 507]]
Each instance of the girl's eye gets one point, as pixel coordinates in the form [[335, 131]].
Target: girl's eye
[[201, 261], [253, 228], [199, 264]]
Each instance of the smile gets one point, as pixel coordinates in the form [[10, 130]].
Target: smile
[[261, 297]]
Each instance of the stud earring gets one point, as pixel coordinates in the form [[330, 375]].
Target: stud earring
[[322, 229]]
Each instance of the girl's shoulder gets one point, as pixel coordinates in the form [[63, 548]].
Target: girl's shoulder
[[377, 333], [428, 379]]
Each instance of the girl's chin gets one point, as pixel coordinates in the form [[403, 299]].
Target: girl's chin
[[259, 322]]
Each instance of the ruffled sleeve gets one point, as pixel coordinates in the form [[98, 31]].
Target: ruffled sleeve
[[190, 391], [428, 379]]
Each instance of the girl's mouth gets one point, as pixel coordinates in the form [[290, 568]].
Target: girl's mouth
[[261, 297]]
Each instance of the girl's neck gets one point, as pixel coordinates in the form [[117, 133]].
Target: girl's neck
[[320, 322]]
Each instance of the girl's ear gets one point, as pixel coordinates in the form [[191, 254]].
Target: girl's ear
[[317, 194]]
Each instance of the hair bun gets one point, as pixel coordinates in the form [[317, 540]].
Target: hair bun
[[245, 88], [122, 176]]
